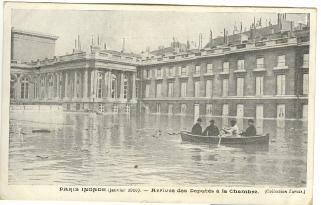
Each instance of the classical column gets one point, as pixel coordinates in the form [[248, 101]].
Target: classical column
[[121, 94], [109, 84], [66, 84], [85, 84], [75, 85], [57, 85], [93, 84], [105, 85], [134, 87]]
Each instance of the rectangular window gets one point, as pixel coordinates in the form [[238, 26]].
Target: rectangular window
[[158, 108], [305, 112], [209, 109], [170, 89], [170, 109], [306, 60], [179, 70], [305, 84], [280, 111], [166, 71], [209, 87], [225, 87], [183, 89], [147, 86], [225, 110], [260, 63], [159, 73], [209, 68], [183, 108], [240, 64], [280, 85], [240, 110], [184, 71], [197, 70], [259, 84], [281, 61], [240, 86], [171, 71], [259, 112], [196, 88], [226, 67], [159, 89]]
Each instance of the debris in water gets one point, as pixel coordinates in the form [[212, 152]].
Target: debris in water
[[136, 166], [41, 131], [42, 157]]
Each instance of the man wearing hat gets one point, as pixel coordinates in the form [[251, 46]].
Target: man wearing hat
[[197, 128], [211, 130], [251, 130]]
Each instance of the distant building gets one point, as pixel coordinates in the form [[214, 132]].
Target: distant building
[[265, 75], [27, 46]]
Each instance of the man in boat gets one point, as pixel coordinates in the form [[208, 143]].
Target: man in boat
[[211, 130], [197, 128], [251, 130], [233, 129]]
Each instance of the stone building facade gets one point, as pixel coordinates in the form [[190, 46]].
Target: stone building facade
[[264, 75]]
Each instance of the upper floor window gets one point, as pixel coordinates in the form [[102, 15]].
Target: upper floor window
[[171, 71], [305, 60], [209, 68], [240, 64], [240, 86], [184, 71], [183, 89], [280, 85], [260, 63], [159, 73], [197, 88], [305, 84], [170, 89], [147, 86], [197, 70], [226, 67], [159, 90], [281, 61]]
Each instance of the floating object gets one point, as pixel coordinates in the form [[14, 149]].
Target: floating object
[[41, 131], [136, 166], [187, 136], [42, 157]]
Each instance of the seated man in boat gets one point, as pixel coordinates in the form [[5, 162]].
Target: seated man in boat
[[197, 128], [211, 130], [251, 130], [232, 130]]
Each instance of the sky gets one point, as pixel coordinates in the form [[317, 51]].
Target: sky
[[140, 29]]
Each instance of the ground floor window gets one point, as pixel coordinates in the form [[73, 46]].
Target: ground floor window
[[305, 84], [209, 109], [77, 106], [170, 109], [183, 108], [115, 108], [128, 108], [158, 108], [225, 110], [280, 111], [305, 112], [101, 108]]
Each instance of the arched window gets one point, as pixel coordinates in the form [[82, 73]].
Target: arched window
[[36, 88], [99, 85], [125, 87], [113, 86], [12, 87], [24, 88], [42, 87]]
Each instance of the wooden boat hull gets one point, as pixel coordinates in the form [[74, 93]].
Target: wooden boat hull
[[243, 140]]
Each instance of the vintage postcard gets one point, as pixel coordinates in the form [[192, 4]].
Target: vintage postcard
[[158, 103]]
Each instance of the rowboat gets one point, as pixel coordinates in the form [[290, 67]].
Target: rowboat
[[227, 140]]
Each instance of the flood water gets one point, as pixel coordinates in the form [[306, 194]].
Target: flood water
[[111, 150]]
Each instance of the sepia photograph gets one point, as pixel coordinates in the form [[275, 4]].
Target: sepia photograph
[[159, 98]]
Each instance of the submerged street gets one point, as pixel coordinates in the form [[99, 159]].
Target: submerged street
[[113, 150]]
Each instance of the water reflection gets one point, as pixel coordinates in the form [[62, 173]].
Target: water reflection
[[147, 149]]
